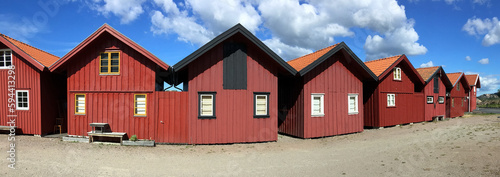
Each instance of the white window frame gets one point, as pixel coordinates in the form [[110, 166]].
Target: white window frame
[[389, 103], [2, 58], [441, 100], [27, 100], [84, 104], [321, 106], [431, 100], [200, 102], [397, 73], [356, 103], [256, 115], [138, 105]]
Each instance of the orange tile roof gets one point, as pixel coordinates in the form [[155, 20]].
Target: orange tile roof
[[304, 61], [472, 79], [454, 77], [426, 73], [380, 65], [41, 56]]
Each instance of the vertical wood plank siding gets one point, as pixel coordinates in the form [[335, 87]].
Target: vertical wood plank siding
[[234, 120], [473, 98], [458, 95], [435, 109], [110, 98], [172, 123]]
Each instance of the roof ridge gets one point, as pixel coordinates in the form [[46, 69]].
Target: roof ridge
[[28, 46], [333, 46], [455, 73], [428, 67], [383, 58]]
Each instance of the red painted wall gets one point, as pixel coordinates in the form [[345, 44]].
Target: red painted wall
[[110, 97], [172, 125], [473, 98], [458, 109], [436, 108], [407, 109], [234, 120], [336, 79]]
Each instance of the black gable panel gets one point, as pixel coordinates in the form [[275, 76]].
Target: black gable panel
[[436, 83], [235, 66]]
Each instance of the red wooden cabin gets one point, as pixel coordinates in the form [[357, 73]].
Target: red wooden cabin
[[324, 99], [36, 89], [436, 84], [456, 101], [232, 83], [474, 84], [395, 98], [111, 79]]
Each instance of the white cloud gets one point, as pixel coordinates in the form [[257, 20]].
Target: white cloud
[[484, 61], [467, 58], [286, 51], [21, 30], [127, 10], [490, 28], [450, 1], [481, 2], [428, 64], [489, 83]]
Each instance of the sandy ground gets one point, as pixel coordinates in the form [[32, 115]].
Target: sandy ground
[[468, 146]]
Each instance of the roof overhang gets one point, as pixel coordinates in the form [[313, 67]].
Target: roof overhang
[[23, 54]]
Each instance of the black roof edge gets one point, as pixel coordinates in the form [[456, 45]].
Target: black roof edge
[[448, 82], [337, 48], [225, 35]]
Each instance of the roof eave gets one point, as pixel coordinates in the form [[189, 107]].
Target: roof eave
[[28, 58]]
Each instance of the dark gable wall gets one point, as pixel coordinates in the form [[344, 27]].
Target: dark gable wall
[[235, 66]]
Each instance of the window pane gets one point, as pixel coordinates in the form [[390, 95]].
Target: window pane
[[114, 55], [2, 64], [104, 55], [8, 64], [104, 69], [206, 105], [7, 53], [114, 69], [104, 62], [7, 58], [25, 105], [115, 62]]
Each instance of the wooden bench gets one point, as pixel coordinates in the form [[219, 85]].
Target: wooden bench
[[3, 127], [98, 127], [107, 134]]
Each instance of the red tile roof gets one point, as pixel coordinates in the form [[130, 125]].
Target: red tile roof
[[304, 61], [454, 77], [379, 66], [472, 78], [46, 59], [426, 73]]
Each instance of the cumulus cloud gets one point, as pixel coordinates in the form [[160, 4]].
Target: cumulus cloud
[[489, 83], [467, 58], [18, 29], [481, 2], [286, 51], [484, 61], [127, 10], [490, 28], [428, 64]]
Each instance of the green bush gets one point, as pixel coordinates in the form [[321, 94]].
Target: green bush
[[133, 138]]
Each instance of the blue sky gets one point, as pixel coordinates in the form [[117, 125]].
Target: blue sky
[[461, 35]]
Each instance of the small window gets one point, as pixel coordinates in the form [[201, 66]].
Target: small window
[[458, 85], [453, 102], [5, 58], [261, 105], [397, 73], [317, 105], [441, 100], [391, 100], [206, 105], [109, 63], [80, 104], [430, 99], [22, 100], [140, 102], [353, 103]]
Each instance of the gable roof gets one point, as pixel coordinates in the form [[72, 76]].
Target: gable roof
[[473, 80], [429, 72], [308, 62], [238, 28], [38, 58], [108, 29], [455, 77], [384, 66]]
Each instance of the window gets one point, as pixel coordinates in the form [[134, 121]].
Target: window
[[397, 73], [458, 86], [317, 104], [22, 100], [80, 104], [5, 58], [109, 63], [206, 105], [261, 105], [441, 100], [140, 102], [353, 103], [430, 99], [453, 102], [391, 100]]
